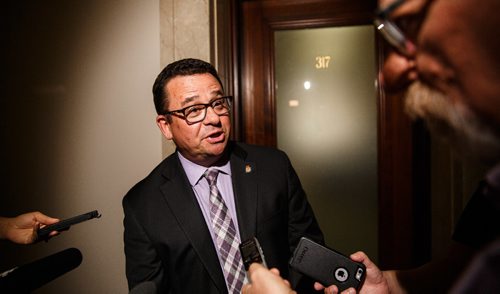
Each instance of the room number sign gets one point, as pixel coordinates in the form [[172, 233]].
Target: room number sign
[[322, 62]]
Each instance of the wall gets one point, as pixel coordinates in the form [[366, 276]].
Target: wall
[[184, 33], [77, 118], [77, 125]]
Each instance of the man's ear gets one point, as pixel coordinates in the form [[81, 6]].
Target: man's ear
[[164, 125]]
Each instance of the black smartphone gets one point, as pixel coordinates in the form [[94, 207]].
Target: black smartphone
[[43, 233], [251, 252], [327, 266]]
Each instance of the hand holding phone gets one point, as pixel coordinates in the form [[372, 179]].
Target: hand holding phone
[[251, 252], [44, 232], [327, 266]]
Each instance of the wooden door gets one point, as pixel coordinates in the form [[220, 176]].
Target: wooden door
[[403, 193]]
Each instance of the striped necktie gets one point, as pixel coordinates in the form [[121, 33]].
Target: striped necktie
[[225, 234]]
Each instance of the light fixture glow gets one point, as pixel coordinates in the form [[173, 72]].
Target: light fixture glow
[[293, 103], [307, 85]]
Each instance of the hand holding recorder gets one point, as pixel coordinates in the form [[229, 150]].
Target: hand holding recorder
[[266, 281], [311, 259], [22, 228], [261, 279], [47, 231]]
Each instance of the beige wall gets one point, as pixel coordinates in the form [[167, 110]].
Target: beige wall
[[184, 33], [77, 119]]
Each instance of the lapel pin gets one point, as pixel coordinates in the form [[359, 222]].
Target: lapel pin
[[248, 168]]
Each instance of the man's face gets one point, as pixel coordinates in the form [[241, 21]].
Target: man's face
[[459, 54], [203, 142], [455, 59]]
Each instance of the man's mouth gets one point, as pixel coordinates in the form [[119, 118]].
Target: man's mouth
[[215, 137]]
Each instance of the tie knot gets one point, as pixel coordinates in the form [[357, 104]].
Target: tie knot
[[211, 176]]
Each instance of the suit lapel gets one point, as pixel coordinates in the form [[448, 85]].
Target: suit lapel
[[184, 206], [245, 187]]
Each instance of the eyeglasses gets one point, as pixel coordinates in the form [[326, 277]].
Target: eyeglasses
[[391, 32], [197, 112]]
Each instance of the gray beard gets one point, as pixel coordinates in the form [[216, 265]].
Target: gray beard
[[468, 134]]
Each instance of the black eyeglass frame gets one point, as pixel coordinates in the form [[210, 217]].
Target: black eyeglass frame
[[390, 31], [181, 113]]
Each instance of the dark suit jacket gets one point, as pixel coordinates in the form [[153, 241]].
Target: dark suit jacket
[[167, 239]]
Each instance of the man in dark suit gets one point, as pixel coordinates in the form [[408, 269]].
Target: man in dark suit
[[170, 234]]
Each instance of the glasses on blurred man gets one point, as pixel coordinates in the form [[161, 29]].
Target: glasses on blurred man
[[392, 32]]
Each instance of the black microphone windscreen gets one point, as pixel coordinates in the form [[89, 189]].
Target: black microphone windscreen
[[31, 276], [148, 287]]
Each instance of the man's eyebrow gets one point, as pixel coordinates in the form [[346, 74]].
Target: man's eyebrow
[[189, 99], [385, 11], [192, 98], [217, 92], [406, 8]]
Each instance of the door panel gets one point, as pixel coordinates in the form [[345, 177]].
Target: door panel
[[326, 112]]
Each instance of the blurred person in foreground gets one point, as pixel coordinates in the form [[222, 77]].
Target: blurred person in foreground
[[446, 63]]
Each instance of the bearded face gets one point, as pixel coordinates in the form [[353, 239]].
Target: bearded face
[[453, 122]]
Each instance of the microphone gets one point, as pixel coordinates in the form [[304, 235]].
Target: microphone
[[148, 287], [28, 277]]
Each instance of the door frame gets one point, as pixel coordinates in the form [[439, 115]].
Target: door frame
[[245, 51]]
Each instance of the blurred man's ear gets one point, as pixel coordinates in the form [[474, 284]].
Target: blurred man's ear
[[164, 125]]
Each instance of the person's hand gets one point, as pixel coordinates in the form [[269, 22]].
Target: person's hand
[[264, 281], [22, 229], [375, 282]]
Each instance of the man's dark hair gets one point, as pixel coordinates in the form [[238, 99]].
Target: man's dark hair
[[183, 67]]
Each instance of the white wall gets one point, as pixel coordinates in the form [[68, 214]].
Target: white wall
[[77, 125]]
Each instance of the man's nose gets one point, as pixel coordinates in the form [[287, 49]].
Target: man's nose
[[398, 71], [211, 116]]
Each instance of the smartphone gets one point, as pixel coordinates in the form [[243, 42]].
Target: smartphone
[[252, 252], [44, 232], [327, 266]]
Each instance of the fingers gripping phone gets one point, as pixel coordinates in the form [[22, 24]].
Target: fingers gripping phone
[[44, 232], [251, 252], [327, 266]]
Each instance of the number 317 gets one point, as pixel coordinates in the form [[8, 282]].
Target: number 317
[[322, 61]]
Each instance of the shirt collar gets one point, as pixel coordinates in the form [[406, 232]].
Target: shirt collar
[[195, 171]]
